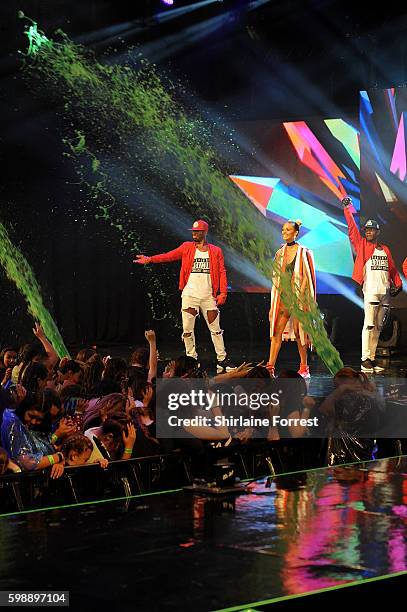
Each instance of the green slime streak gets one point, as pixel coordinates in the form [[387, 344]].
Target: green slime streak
[[19, 271], [303, 308], [113, 102], [109, 211]]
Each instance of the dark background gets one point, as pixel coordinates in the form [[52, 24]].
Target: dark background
[[279, 61]]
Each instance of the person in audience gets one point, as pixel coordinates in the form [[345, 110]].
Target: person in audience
[[41, 351], [29, 353], [182, 367], [139, 362], [71, 392], [71, 373], [116, 371], [85, 354], [258, 381], [35, 377], [355, 415], [77, 450], [294, 403], [92, 374], [143, 361], [8, 358], [142, 413], [53, 408], [104, 408], [25, 442], [113, 440], [346, 380]]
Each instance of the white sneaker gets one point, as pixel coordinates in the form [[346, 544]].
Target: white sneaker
[[224, 366], [377, 367], [367, 366]]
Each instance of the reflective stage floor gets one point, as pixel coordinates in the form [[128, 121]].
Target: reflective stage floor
[[293, 535]]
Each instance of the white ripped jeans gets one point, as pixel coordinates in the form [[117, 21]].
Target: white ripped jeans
[[188, 325], [375, 311]]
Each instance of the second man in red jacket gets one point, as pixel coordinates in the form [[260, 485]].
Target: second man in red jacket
[[376, 273]]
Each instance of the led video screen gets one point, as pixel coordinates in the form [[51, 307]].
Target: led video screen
[[383, 174], [311, 166]]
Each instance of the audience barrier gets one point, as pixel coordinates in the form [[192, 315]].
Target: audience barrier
[[143, 475]]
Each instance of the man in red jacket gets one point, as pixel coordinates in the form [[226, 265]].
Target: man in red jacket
[[376, 272], [203, 284]]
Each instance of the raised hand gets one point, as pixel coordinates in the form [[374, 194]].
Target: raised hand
[[38, 331], [169, 370], [7, 376], [239, 372], [66, 427], [147, 396], [129, 435], [150, 335], [62, 362], [141, 259]]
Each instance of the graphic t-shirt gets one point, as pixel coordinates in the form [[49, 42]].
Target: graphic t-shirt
[[377, 273], [199, 282]]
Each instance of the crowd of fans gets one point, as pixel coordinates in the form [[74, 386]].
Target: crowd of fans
[[69, 412]]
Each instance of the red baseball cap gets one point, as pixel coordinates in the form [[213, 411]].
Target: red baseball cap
[[200, 226]]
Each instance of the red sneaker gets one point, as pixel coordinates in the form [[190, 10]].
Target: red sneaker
[[304, 371], [270, 368]]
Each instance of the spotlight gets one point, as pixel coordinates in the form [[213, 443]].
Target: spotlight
[[167, 2]]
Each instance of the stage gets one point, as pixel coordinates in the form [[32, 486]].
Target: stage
[[290, 536], [132, 132], [254, 352]]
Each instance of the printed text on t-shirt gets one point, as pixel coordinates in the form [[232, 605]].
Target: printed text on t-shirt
[[200, 265]]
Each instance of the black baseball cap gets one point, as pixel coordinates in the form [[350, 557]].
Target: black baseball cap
[[371, 223]]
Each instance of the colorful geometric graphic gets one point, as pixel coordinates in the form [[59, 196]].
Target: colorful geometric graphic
[[398, 161], [323, 226], [314, 156], [383, 175]]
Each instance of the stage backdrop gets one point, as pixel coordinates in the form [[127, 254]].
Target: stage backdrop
[[305, 168], [383, 176]]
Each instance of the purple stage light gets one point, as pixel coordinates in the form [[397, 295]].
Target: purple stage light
[[168, 2]]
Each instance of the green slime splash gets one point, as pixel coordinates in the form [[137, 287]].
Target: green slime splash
[[118, 217], [303, 308], [19, 271], [109, 105], [36, 38]]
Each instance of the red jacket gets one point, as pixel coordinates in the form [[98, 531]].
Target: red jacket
[[365, 249], [186, 252], [405, 267]]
